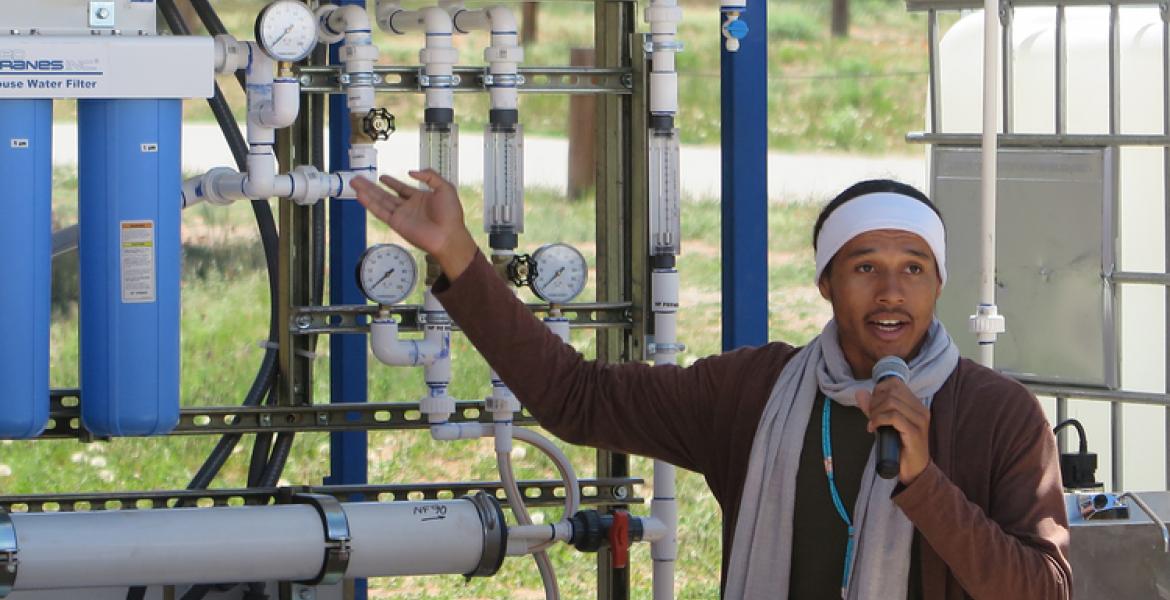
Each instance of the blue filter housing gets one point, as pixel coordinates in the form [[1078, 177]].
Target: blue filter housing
[[26, 161], [129, 189]]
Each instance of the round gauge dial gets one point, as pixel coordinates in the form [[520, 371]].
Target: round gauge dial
[[560, 273], [286, 30], [387, 273]]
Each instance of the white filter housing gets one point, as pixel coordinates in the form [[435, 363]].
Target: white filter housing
[[1140, 246]]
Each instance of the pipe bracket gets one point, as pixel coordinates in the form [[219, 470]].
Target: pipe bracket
[[337, 536], [9, 549], [437, 81], [505, 80]]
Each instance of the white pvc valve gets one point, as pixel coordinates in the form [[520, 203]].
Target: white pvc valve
[[987, 323], [230, 55]]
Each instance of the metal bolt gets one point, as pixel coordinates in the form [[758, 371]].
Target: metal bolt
[[304, 322], [306, 80], [102, 13], [628, 81], [322, 418], [266, 420], [621, 492], [305, 593]]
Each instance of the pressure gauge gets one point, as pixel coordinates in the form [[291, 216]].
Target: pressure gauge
[[387, 273], [560, 273], [286, 30]]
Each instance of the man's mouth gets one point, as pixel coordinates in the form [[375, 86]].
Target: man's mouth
[[888, 329]]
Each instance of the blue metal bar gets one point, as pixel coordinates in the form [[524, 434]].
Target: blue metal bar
[[347, 365], [745, 183]]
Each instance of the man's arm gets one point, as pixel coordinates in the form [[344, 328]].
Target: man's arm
[[665, 412], [1016, 549]]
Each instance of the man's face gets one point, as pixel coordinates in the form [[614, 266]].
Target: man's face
[[883, 285]]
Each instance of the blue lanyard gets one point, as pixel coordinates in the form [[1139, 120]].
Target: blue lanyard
[[827, 452]]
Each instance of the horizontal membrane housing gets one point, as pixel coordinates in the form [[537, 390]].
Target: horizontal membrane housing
[[129, 187], [26, 156]]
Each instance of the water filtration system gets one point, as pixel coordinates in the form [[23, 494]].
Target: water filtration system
[[131, 196]]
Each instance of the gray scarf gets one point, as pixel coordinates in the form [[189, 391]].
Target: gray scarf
[[762, 553]]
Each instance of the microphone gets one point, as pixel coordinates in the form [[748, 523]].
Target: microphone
[[889, 445]]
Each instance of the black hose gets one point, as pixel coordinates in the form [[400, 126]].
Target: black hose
[[1083, 446]]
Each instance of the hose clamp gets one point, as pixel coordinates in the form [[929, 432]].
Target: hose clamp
[[437, 81], [9, 549], [654, 348], [359, 79], [505, 80], [337, 536], [495, 535], [649, 45]]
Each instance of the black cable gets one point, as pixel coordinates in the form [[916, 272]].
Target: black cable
[[1083, 446]]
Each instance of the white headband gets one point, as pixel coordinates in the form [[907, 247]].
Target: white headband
[[882, 210]]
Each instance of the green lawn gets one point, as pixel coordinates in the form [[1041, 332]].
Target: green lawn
[[860, 94]]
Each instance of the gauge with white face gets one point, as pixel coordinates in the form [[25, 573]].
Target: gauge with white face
[[387, 273], [286, 30], [560, 273]]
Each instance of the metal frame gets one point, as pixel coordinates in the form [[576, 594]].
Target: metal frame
[[1114, 140], [744, 136]]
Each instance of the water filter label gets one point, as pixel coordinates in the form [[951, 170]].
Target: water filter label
[[138, 273], [149, 148], [19, 143]]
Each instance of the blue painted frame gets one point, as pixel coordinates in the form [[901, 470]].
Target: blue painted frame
[[744, 111], [347, 365]]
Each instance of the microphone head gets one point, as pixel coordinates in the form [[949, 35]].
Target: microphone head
[[891, 366]]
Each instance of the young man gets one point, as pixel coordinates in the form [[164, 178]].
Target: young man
[[784, 435]]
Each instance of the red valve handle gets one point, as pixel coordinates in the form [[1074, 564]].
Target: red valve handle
[[619, 539]]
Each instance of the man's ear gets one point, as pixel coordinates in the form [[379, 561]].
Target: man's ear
[[824, 287]]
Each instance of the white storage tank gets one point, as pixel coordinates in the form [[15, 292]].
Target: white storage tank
[[1065, 216]]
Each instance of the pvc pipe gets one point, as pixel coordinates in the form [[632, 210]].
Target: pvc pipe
[[400, 353], [438, 56], [664, 507], [987, 323], [503, 55], [230, 55], [236, 544], [663, 17]]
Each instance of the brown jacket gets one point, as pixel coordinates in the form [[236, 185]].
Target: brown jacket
[[988, 511]]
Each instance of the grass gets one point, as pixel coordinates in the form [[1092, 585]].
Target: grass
[[860, 94]]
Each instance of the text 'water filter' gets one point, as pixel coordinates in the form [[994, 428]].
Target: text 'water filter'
[[129, 186]]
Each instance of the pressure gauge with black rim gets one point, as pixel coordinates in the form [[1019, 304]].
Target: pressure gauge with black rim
[[286, 30], [387, 273], [560, 273]]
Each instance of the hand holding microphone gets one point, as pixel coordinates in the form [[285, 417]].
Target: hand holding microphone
[[901, 421]]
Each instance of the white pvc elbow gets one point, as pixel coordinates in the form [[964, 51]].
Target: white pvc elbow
[[400, 353], [230, 55]]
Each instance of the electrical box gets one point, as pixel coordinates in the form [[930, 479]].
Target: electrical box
[[1055, 232], [76, 17]]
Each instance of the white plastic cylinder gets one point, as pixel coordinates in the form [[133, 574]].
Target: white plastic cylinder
[[236, 544], [439, 149], [503, 184], [154, 547], [559, 326], [665, 193]]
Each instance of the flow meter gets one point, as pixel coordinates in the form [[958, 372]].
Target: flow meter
[[560, 273], [286, 30], [387, 273]]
